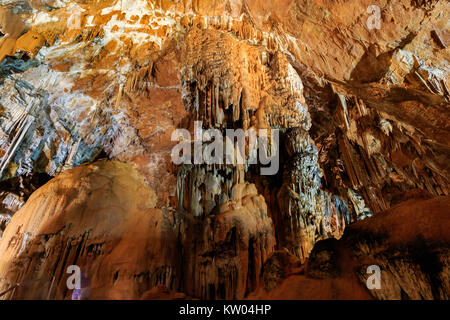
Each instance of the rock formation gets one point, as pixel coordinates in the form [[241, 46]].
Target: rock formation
[[348, 102], [100, 217], [413, 258]]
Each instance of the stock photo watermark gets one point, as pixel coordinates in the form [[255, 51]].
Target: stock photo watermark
[[211, 147], [374, 20]]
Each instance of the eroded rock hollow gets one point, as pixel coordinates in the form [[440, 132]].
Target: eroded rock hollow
[[224, 149]]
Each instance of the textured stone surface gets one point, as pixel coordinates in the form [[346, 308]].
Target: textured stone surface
[[223, 255], [413, 258], [101, 217]]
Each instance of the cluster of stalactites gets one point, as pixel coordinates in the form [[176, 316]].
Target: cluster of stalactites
[[311, 213], [41, 136]]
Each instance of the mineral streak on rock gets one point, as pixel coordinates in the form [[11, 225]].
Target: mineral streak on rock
[[363, 120]]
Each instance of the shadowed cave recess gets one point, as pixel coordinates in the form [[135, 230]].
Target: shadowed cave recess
[[91, 93]]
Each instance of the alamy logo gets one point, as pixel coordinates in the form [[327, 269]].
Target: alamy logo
[[374, 21], [374, 281], [211, 147], [74, 281]]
